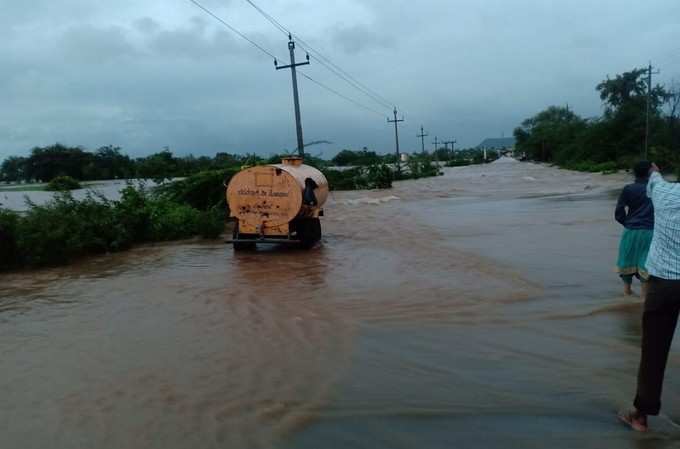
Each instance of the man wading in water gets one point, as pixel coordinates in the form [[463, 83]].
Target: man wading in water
[[663, 300]]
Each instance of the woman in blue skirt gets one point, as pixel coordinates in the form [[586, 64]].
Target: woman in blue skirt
[[635, 212]]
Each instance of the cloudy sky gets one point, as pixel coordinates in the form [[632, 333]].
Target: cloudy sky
[[144, 74]]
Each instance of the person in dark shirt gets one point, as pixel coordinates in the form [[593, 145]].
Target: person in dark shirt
[[635, 212]]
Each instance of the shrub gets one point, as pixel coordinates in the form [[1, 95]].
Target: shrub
[[458, 163], [204, 190], [422, 168], [592, 167], [210, 224], [171, 221], [65, 228], [62, 183], [380, 177], [360, 178], [61, 229], [132, 215], [343, 179], [9, 256]]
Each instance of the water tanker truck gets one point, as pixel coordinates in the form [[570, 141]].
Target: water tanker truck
[[278, 203]]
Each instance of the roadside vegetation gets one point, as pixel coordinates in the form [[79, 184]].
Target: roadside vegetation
[[62, 183], [614, 140], [66, 228]]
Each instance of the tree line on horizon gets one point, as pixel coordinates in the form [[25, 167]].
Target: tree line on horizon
[[615, 139], [109, 162]]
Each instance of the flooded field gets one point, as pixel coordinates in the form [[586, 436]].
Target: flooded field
[[478, 309], [15, 196]]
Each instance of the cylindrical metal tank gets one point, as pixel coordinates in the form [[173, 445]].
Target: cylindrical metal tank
[[265, 199]]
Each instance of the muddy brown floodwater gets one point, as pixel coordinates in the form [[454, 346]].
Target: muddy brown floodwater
[[478, 309]]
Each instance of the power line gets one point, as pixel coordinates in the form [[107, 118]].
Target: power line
[[273, 21], [649, 95], [333, 91], [396, 122], [223, 22], [324, 61], [422, 137], [296, 100], [334, 68], [268, 53], [345, 76]]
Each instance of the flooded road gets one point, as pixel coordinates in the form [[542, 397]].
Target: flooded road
[[478, 309]]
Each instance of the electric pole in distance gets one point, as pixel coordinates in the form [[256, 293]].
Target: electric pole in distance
[[396, 137], [452, 142], [296, 98], [649, 100], [422, 136], [436, 143]]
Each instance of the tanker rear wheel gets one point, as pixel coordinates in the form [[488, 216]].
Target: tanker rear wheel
[[241, 246], [308, 232]]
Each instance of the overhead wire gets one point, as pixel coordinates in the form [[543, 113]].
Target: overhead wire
[[356, 103], [325, 61], [338, 71], [271, 19], [270, 54], [223, 22]]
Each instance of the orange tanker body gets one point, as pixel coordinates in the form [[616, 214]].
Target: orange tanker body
[[278, 203]]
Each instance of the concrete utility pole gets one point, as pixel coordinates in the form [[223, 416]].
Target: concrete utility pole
[[649, 99], [396, 137], [452, 142], [436, 143], [296, 99], [422, 136]]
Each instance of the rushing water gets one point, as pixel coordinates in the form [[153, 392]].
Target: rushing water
[[479, 309]]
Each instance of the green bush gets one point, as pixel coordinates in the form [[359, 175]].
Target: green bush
[[62, 183], [171, 221], [8, 245], [422, 168], [360, 178], [592, 167], [344, 179], [458, 163], [65, 228], [379, 177], [204, 190], [210, 224], [132, 215]]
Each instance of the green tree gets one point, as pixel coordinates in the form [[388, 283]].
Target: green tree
[[13, 169], [158, 166], [49, 162], [625, 101], [548, 135], [361, 157], [110, 163]]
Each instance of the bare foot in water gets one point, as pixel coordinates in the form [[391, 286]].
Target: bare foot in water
[[627, 290], [634, 419]]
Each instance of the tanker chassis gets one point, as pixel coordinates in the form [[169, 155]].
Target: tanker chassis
[[279, 203]]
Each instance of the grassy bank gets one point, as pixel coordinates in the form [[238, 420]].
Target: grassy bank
[[65, 229], [593, 167]]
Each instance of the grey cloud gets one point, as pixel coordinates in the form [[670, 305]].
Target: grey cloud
[[147, 74], [146, 25], [89, 44], [192, 42], [356, 38]]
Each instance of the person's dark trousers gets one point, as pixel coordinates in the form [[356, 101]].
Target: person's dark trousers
[[658, 325]]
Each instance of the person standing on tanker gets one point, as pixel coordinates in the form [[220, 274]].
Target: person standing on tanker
[[635, 212], [662, 303]]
